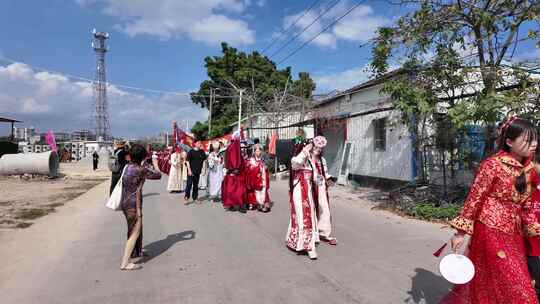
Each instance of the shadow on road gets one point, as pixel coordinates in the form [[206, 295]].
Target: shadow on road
[[427, 287], [157, 248], [150, 194]]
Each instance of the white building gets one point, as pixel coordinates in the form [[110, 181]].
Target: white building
[[365, 141], [83, 149], [25, 147], [24, 133]]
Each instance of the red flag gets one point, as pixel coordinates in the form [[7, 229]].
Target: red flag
[[51, 141], [273, 143]]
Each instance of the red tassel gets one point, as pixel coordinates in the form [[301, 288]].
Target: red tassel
[[438, 252]]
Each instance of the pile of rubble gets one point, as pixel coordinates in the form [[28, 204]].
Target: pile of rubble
[[31, 177]]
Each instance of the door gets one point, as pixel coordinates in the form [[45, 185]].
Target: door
[[344, 167]]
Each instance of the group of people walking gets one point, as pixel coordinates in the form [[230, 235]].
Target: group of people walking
[[238, 176], [246, 180], [501, 213], [188, 172]]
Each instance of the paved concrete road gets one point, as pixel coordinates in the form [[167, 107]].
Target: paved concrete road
[[201, 254]]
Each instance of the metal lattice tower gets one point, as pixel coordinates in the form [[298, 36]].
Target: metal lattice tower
[[101, 112]]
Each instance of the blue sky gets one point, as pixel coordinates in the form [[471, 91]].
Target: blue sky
[[161, 44]]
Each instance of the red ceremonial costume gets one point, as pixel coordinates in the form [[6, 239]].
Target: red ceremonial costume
[[531, 217], [492, 216], [302, 233], [258, 182], [233, 188]]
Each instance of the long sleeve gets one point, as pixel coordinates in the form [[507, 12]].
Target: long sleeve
[[267, 176], [150, 173], [477, 194], [530, 208], [325, 167], [174, 159], [299, 160], [185, 147]]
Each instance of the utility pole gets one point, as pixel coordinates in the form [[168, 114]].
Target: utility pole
[[241, 91], [240, 110], [210, 114]]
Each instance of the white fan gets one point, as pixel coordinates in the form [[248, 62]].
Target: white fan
[[457, 268]]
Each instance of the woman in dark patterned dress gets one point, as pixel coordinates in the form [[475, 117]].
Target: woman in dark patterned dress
[[132, 183]]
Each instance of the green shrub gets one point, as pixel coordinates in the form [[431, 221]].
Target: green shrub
[[430, 211]]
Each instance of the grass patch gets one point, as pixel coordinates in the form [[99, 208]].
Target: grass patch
[[430, 211], [31, 214], [23, 225]]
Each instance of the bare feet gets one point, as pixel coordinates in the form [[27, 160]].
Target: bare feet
[[131, 266]]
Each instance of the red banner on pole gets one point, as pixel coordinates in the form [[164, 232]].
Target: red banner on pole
[[272, 144]]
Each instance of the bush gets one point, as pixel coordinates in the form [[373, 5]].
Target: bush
[[430, 211]]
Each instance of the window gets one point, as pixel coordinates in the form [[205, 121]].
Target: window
[[380, 134]]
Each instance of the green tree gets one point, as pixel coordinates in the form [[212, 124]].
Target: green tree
[[256, 74], [459, 55]]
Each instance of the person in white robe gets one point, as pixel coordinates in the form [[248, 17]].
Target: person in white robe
[[215, 172], [176, 173], [302, 234]]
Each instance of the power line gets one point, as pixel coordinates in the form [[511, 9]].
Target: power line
[[322, 31], [305, 29], [291, 26], [133, 88]]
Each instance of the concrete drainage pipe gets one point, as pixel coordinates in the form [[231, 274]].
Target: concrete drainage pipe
[[45, 163]]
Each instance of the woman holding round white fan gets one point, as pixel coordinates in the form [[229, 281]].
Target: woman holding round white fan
[[491, 215]]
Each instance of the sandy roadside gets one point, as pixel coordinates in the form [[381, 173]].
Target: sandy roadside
[[24, 200]]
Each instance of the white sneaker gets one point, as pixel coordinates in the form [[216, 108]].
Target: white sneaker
[[312, 254]]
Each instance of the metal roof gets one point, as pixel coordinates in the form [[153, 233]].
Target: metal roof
[[360, 87], [3, 119]]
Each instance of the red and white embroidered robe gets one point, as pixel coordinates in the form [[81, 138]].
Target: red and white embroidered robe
[[302, 233], [258, 182]]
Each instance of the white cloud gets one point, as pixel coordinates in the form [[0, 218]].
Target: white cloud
[[215, 27], [341, 80], [261, 3], [201, 20], [52, 101], [358, 26], [327, 82]]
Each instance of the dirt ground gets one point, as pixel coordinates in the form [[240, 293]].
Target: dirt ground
[[23, 199]]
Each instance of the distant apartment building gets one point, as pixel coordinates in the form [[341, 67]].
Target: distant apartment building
[[83, 135], [62, 136], [84, 149], [25, 147], [24, 133]]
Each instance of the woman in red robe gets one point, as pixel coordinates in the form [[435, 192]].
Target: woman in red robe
[[491, 215], [233, 188], [258, 181]]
